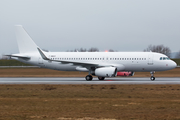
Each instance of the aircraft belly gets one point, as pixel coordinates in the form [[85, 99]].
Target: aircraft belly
[[133, 67], [141, 67]]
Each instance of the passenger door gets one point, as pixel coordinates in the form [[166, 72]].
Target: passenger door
[[150, 59]]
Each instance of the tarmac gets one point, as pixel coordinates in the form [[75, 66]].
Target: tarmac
[[117, 80]]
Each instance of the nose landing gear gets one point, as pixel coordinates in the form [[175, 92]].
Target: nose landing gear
[[152, 75]]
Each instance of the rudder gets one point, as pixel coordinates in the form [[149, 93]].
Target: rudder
[[25, 43]]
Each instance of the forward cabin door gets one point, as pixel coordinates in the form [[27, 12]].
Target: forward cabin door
[[150, 59]]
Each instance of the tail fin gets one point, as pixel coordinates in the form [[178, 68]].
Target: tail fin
[[25, 43]]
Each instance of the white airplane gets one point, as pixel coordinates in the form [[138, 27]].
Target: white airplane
[[100, 64]]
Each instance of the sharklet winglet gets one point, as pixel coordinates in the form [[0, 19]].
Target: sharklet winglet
[[42, 54]]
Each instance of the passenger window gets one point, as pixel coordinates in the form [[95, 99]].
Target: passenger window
[[160, 58]]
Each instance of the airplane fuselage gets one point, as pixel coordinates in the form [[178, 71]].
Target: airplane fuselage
[[124, 61]]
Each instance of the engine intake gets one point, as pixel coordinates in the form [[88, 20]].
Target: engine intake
[[106, 72]]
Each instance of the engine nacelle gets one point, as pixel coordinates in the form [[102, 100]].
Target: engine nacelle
[[125, 74], [106, 72]]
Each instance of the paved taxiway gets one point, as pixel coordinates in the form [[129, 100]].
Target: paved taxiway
[[122, 80]]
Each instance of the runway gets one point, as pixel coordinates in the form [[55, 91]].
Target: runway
[[122, 80]]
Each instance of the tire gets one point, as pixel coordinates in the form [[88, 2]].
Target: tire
[[152, 78], [88, 77]]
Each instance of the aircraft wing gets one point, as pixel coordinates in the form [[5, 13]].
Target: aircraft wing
[[82, 64]]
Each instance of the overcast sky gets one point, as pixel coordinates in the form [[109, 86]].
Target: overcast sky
[[122, 25]]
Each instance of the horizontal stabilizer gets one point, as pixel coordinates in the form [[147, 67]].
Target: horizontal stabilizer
[[18, 56]]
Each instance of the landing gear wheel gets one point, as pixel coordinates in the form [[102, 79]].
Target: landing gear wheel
[[152, 75], [89, 77], [152, 78], [101, 78]]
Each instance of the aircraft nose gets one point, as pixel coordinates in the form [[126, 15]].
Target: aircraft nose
[[173, 64]]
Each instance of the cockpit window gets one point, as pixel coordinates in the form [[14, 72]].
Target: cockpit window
[[164, 58]]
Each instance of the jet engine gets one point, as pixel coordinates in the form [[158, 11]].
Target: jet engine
[[125, 74], [106, 72]]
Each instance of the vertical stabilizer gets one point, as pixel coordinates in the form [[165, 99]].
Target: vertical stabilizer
[[25, 43]]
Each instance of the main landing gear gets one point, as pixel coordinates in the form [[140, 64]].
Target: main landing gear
[[89, 77], [101, 78], [152, 75]]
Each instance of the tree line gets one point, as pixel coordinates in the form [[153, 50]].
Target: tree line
[[92, 49], [153, 48], [161, 49]]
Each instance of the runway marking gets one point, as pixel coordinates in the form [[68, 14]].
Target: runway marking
[[83, 81]]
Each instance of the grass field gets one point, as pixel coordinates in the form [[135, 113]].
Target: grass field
[[12, 63], [89, 102], [40, 72]]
